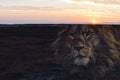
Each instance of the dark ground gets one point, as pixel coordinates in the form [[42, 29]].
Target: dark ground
[[25, 53]]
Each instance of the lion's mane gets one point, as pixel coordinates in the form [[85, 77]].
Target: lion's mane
[[107, 54]]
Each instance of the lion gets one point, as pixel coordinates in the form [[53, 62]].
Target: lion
[[87, 49]]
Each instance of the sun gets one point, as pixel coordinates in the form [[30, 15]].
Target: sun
[[94, 21]]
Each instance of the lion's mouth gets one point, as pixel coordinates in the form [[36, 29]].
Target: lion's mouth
[[81, 61]]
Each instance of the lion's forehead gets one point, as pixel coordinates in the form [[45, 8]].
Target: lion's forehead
[[81, 29]]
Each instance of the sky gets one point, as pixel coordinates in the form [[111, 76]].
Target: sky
[[59, 11]]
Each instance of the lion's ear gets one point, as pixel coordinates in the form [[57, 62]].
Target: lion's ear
[[68, 29], [72, 28], [62, 29], [63, 33]]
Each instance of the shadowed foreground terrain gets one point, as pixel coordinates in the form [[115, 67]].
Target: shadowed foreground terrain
[[25, 53]]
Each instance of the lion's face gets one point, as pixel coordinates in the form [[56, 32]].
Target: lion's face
[[81, 50], [78, 44]]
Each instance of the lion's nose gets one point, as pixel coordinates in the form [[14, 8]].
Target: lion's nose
[[78, 48]]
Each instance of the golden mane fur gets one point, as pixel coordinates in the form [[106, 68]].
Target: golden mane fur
[[107, 55]]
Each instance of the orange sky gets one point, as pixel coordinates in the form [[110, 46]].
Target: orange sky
[[60, 11]]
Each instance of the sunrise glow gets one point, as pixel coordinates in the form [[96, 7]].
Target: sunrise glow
[[94, 21], [60, 11]]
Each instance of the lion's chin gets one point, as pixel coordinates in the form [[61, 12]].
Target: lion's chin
[[81, 61]]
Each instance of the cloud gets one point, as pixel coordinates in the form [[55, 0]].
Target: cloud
[[29, 8], [100, 1]]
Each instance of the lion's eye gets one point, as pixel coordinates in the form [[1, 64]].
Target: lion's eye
[[70, 38]]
